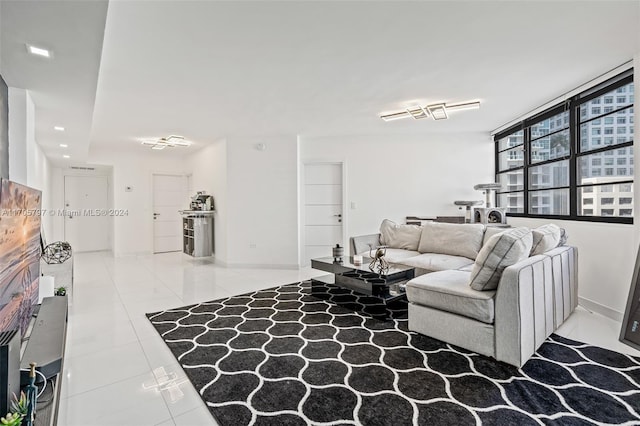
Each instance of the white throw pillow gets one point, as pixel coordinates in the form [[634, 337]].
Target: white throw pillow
[[502, 250], [545, 238], [454, 239], [400, 236]]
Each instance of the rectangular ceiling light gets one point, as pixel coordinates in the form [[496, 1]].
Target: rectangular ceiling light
[[438, 111], [462, 106], [417, 112], [158, 147], [63, 145], [38, 51], [58, 128], [177, 141]]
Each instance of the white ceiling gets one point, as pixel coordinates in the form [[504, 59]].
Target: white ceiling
[[62, 88], [208, 70]]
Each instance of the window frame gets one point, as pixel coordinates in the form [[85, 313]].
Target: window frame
[[573, 106]]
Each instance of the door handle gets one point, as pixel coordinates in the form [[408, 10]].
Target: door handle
[[337, 215], [155, 215]]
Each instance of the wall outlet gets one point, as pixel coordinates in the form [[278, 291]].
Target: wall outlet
[[252, 245]]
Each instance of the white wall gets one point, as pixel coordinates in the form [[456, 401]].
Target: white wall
[[133, 234], [18, 124], [58, 198], [208, 169], [263, 202], [27, 163], [606, 251], [395, 176], [606, 256]]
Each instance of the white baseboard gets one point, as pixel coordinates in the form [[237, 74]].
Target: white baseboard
[[132, 254], [257, 265], [598, 308]]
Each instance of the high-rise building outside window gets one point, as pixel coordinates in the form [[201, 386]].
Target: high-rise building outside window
[[556, 162]]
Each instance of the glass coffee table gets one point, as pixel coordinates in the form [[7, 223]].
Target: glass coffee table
[[387, 286]]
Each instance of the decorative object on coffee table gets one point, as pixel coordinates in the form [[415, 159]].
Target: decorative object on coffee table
[[56, 253], [361, 280], [338, 253], [378, 262]]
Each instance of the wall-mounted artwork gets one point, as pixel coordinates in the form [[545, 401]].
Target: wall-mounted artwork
[[19, 254], [4, 129]]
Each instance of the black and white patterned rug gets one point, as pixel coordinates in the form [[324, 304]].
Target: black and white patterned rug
[[286, 356]]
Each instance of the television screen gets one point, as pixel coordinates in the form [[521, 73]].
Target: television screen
[[19, 254]]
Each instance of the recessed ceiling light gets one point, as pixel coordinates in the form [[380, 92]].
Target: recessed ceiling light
[[66, 156], [63, 145], [58, 128], [38, 51]]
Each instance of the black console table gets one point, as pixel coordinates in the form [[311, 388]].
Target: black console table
[[45, 344]]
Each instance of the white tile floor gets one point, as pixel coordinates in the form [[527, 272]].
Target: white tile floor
[[119, 372]]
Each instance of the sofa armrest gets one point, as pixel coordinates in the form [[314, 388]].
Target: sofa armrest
[[362, 243], [524, 309]]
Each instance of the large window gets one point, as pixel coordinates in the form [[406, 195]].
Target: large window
[[573, 161]]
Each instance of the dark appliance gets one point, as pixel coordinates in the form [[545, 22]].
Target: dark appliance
[[9, 368]]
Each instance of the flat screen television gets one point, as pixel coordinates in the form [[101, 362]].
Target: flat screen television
[[19, 254]]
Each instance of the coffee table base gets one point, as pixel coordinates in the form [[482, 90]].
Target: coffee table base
[[382, 307]]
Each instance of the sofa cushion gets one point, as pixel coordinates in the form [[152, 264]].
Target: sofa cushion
[[400, 236], [394, 255], [467, 268], [545, 238], [449, 291], [431, 262], [490, 231], [455, 239], [563, 237], [502, 250]]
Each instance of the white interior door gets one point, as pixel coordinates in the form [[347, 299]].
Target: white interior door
[[86, 224], [169, 196], [323, 205]]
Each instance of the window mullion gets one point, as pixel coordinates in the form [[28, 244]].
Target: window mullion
[[525, 178], [574, 144]]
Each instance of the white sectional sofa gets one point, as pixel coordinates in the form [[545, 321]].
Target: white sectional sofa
[[495, 291]]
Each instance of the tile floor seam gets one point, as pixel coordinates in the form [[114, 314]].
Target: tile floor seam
[[106, 385], [144, 352]]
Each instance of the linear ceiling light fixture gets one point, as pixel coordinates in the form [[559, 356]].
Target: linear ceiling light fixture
[[438, 111], [168, 142]]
